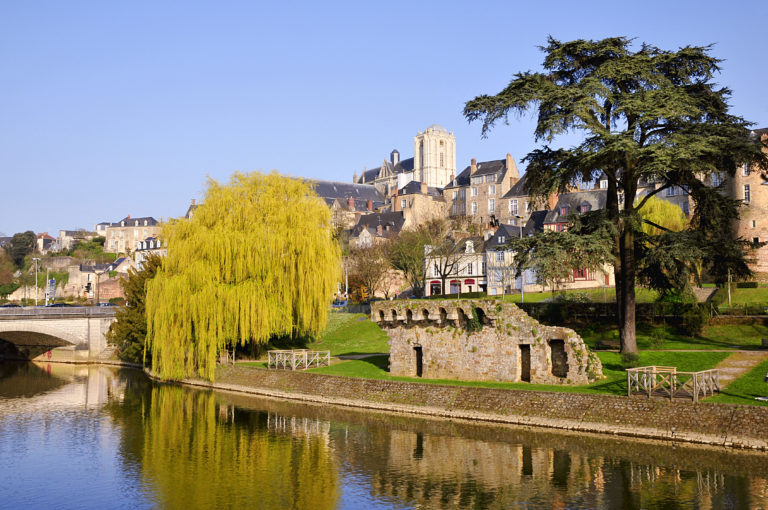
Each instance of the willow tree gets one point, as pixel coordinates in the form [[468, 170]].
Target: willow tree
[[256, 260], [644, 116]]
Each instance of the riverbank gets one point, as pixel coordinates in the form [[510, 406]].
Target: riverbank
[[728, 425]]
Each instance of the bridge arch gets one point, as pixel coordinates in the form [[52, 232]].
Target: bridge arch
[[37, 333]]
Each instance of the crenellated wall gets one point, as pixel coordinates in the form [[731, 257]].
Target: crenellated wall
[[481, 340]]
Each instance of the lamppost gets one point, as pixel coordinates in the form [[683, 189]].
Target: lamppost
[[36, 259], [522, 274], [98, 281]]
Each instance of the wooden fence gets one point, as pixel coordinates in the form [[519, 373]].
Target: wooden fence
[[668, 382], [298, 358]]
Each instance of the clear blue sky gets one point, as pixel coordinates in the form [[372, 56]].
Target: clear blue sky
[[116, 108]]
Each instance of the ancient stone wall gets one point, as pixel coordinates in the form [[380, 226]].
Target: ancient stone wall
[[481, 340]]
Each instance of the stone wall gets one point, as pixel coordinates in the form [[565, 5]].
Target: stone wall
[[483, 341]]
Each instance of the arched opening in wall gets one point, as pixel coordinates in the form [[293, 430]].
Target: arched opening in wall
[[394, 315], [481, 317], [425, 314], [408, 317], [559, 358], [443, 316], [27, 345], [525, 363], [462, 320], [381, 316]]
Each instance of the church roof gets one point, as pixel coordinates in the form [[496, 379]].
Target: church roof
[[330, 191], [483, 168], [405, 165]]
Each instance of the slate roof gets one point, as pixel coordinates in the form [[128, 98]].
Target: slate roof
[[92, 268], [131, 222], [573, 201], [761, 131], [331, 191], [414, 188], [483, 168], [535, 223], [504, 231], [393, 220], [404, 165], [518, 190]]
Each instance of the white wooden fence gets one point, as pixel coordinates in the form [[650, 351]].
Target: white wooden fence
[[298, 358], [669, 382]]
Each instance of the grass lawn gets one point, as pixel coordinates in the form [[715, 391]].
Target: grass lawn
[[615, 383], [667, 337], [744, 389], [601, 295], [351, 333], [748, 296]]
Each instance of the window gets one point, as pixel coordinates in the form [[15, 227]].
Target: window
[[442, 157], [746, 193], [474, 192], [585, 207], [462, 194], [670, 191], [499, 256], [455, 195], [560, 227], [474, 207], [686, 207], [603, 184], [402, 204], [491, 178], [717, 179], [469, 268], [745, 169], [492, 205], [454, 210], [493, 291], [754, 224], [513, 207], [564, 210], [482, 268], [492, 189], [756, 240], [528, 207], [502, 239], [498, 275], [477, 180], [580, 274]]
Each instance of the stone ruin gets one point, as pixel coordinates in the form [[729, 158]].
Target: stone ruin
[[481, 340]]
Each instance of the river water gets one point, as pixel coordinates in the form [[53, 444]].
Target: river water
[[89, 437]]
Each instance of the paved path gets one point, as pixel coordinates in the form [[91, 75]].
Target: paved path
[[739, 363]]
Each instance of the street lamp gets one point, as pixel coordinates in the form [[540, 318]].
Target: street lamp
[[36, 259], [522, 274], [98, 281]]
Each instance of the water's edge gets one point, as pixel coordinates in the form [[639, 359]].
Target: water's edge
[[721, 425]]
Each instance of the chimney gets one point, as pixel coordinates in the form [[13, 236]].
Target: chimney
[[128, 217], [453, 178], [369, 206], [395, 205], [551, 201], [423, 188], [511, 167], [193, 201], [473, 167], [394, 156], [354, 177], [351, 203], [513, 180], [378, 230]]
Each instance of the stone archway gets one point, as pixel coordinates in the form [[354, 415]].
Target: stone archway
[[27, 345]]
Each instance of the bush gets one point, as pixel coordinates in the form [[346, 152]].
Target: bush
[[694, 320], [720, 297], [572, 297], [657, 339], [630, 360], [117, 301], [746, 285]]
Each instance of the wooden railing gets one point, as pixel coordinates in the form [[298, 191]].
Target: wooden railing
[[298, 358], [668, 382]]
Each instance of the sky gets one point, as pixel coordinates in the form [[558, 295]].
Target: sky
[[116, 108]]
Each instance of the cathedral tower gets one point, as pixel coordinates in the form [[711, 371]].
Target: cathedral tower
[[434, 156]]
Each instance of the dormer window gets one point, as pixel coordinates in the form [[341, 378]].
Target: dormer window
[[603, 183], [136, 223], [564, 210], [145, 223], [501, 239], [585, 207], [122, 223], [469, 247]]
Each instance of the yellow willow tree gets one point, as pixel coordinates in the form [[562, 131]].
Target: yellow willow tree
[[257, 259]]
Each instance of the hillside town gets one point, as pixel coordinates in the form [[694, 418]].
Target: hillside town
[[486, 204]]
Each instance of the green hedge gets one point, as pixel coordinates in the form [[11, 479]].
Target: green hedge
[[746, 285]]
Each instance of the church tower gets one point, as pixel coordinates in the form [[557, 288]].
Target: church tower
[[434, 156]]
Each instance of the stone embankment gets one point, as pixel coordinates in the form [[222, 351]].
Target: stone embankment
[[680, 421]]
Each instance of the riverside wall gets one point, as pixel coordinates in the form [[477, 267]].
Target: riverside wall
[[726, 425]]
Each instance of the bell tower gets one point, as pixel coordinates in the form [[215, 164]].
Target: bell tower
[[434, 156]]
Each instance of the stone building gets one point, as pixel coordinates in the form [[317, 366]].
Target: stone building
[[460, 269], [418, 203], [125, 235], [68, 238], [481, 340], [348, 202], [150, 246], [749, 185]]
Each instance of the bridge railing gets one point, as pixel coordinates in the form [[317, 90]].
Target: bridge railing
[[41, 312], [668, 382]]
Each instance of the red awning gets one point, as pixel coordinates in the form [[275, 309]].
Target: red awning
[[455, 282], [433, 282], [469, 282]]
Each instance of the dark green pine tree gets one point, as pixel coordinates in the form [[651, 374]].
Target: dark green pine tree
[[645, 115]]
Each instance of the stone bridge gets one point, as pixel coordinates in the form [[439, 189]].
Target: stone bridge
[[55, 334]]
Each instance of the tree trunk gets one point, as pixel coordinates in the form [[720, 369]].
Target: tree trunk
[[625, 293]]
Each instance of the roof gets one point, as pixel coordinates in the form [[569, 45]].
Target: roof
[[437, 127], [483, 168], [331, 191], [393, 220], [573, 201], [535, 223], [760, 132], [387, 168], [414, 188], [131, 222], [92, 268], [502, 235], [518, 190]]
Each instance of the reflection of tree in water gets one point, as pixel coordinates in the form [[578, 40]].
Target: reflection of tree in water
[[196, 453]]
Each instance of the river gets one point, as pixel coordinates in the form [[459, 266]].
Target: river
[[94, 437]]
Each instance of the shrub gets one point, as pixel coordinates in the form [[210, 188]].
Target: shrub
[[118, 301], [694, 320], [657, 339], [572, 297], [630, 360], [746, 285]]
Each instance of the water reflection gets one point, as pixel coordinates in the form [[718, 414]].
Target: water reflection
[[184, 448]]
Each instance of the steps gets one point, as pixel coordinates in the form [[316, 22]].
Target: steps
[[109, 352]]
